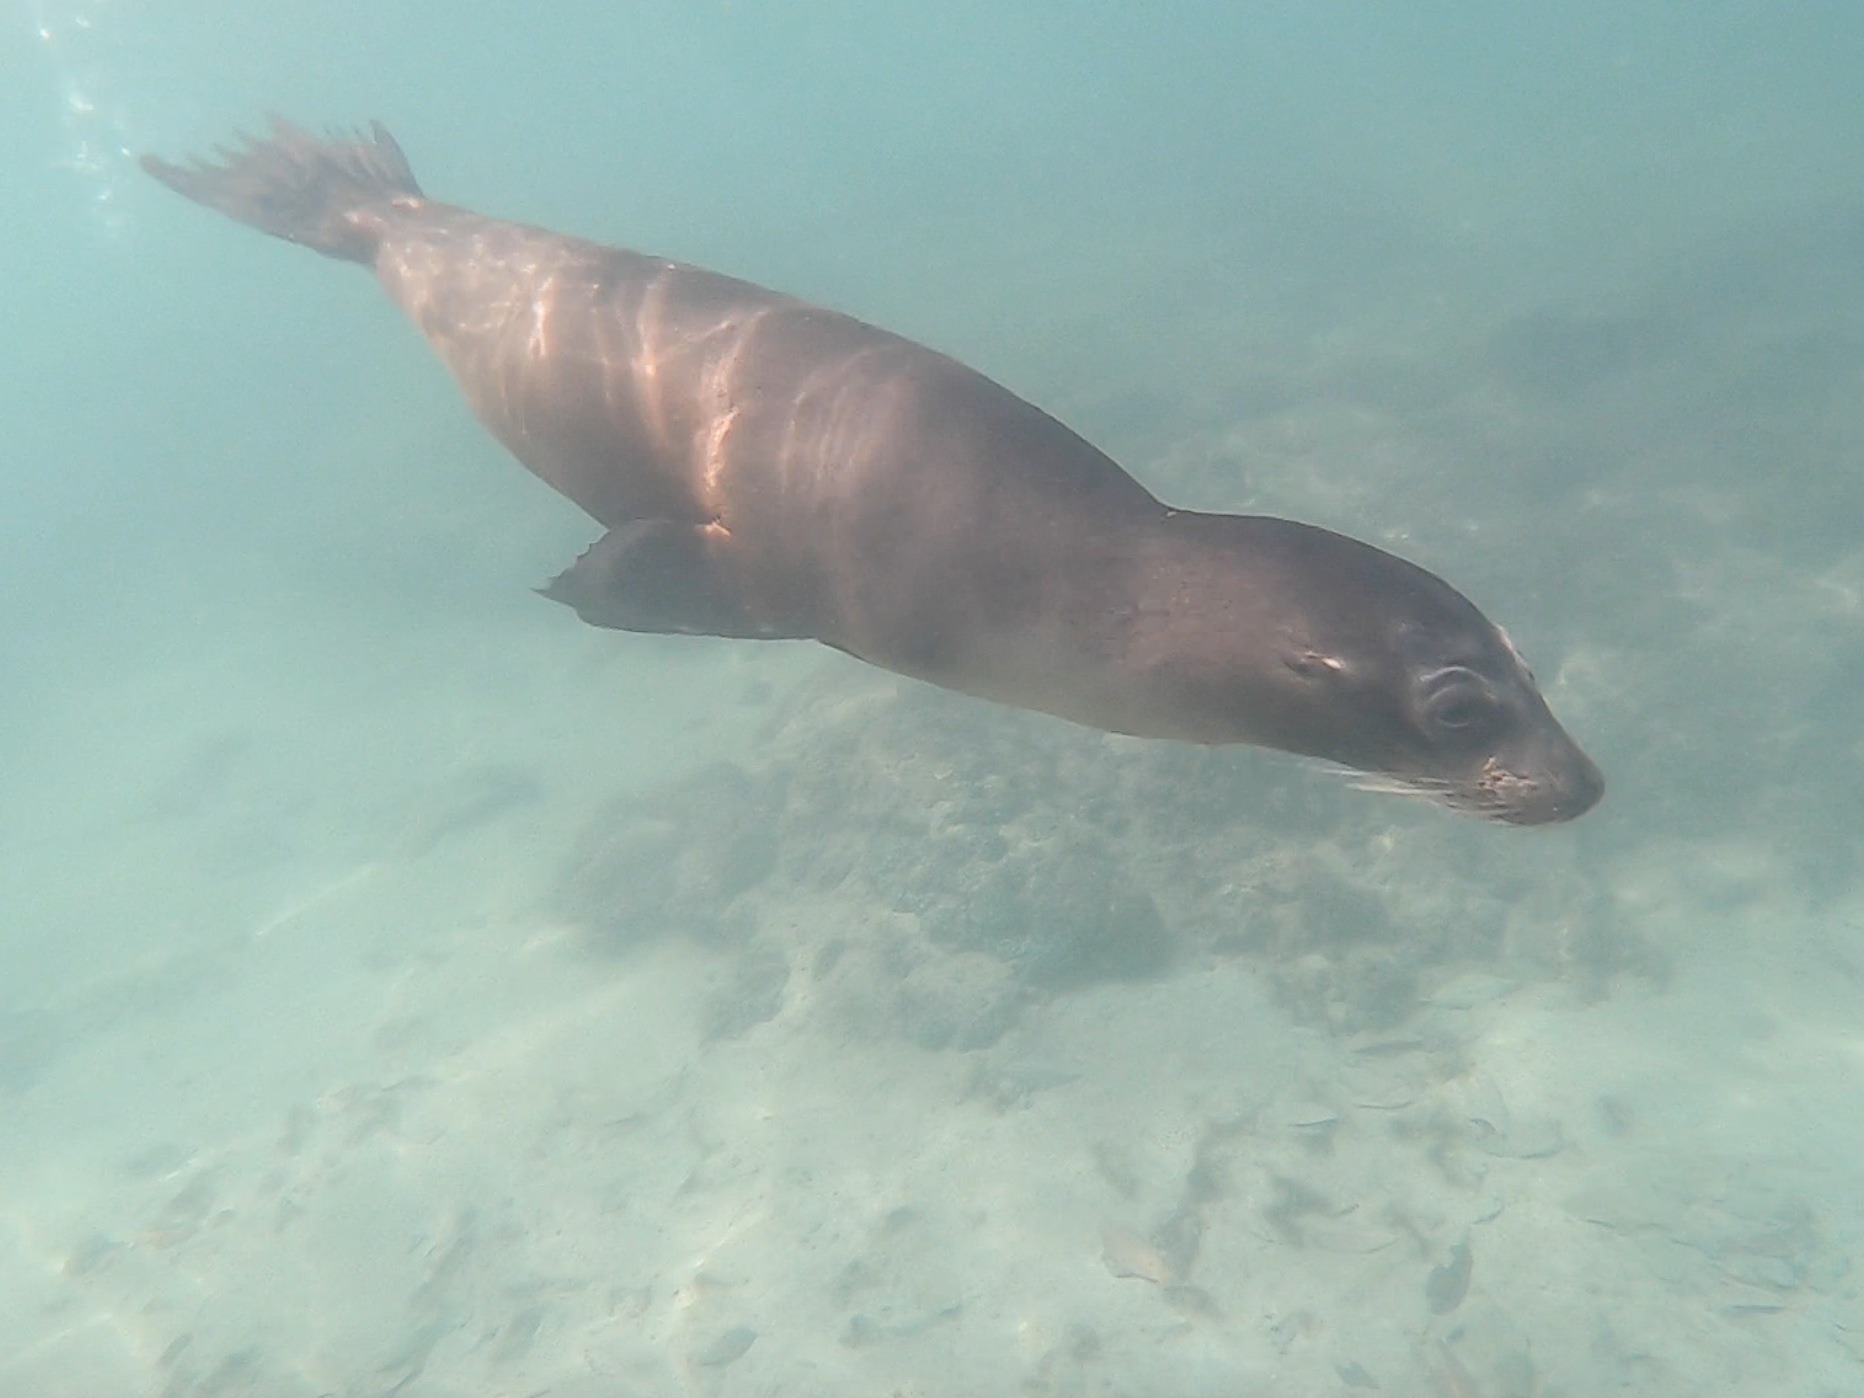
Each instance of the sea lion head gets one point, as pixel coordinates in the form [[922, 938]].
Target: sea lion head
[[1426, 695], [1341, 651], [1478, 736]]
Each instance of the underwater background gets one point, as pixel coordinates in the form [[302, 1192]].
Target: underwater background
[[405, 989]]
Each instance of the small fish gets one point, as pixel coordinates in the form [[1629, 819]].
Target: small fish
[[1129, 1255], [1354, 1375], [726, 1348], [1447, 1285]]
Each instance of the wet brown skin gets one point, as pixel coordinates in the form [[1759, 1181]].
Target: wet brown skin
[[769, 469]]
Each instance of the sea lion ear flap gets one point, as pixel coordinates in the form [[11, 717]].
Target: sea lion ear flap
[[659, 576], [1313, 665]]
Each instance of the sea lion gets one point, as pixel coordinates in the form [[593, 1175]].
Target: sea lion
[[769, 469]]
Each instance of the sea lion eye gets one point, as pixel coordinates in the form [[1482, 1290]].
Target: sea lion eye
[[1457, 700], [1456, 713]]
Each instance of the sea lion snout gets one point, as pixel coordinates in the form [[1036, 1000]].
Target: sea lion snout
[[1553, 782], [1495, 749]]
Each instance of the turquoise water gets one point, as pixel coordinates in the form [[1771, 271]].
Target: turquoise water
[[409, 990]]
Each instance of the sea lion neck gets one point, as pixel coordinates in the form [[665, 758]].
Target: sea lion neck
[[1216, 632]]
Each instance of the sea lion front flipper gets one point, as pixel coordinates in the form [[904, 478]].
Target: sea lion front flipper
[[661, 576]]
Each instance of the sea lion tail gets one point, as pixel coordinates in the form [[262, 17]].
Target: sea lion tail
[[326, 194]]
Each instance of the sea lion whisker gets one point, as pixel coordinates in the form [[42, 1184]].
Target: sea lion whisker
[[1392, 783]]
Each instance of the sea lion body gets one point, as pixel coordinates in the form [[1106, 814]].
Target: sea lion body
[[769, 469]]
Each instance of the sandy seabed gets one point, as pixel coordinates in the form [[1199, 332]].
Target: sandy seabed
[[323, 1091]]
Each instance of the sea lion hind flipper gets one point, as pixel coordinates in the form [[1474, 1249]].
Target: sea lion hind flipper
[[660, 576], [329, 195]]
